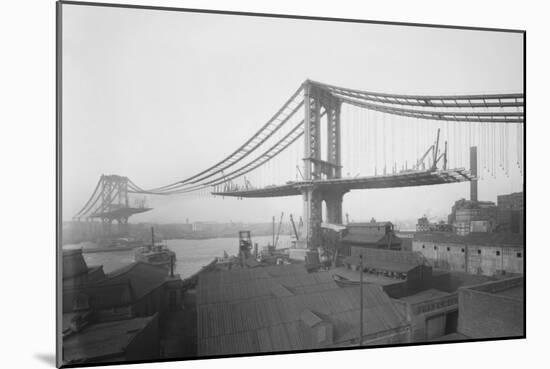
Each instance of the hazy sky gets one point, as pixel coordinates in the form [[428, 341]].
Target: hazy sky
[[157, 96]]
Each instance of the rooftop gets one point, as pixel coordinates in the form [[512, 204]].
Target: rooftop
[[102, 340], [239, 313], [354, 276], [511, 288], [432, 293], [142, 277]]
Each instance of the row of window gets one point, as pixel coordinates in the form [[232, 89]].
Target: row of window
[[518, 254]]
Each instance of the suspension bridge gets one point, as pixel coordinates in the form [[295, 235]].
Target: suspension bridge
[[325, 141]]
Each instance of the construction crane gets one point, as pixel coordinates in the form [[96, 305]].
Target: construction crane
[[278, 230], [434, 150], [294, 227]]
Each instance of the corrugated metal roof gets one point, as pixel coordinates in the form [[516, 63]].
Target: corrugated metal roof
[[103, 339], [257, 321]]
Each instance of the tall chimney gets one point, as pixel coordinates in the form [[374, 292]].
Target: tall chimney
[[473, 170]]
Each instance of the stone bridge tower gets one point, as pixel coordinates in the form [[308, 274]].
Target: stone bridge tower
[[319, 104]]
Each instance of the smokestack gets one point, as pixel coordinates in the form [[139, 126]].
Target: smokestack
[[473, 170]]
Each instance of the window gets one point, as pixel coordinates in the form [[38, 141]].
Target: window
[[479, 251], [498, 253], [518, 254]]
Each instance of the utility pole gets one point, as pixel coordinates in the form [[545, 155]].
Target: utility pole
[[361, 300]]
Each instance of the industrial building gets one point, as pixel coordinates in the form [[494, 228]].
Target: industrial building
[[285, 308], [473, 216], [476, 253], [432, 313], [400, 273]]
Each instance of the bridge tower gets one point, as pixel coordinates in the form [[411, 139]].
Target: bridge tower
[[319, 104]]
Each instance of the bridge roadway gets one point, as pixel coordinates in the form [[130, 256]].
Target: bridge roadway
[[402, 179], [123, 212]]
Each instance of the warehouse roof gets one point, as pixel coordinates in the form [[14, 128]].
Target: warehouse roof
[[243, 284], [500, 239], [102, 340], [257, 320]]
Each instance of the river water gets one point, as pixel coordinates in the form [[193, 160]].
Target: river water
[[191, 255]]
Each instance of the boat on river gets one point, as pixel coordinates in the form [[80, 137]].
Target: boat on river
[[156, 253]]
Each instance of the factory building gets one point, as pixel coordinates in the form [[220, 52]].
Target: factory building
[[473, 216], [476, 253]]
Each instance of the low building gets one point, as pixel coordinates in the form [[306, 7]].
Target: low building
[[431, 313], [118, 341], [400, 273], [492, 309], [476, 253], [284, 308], [379, 235]]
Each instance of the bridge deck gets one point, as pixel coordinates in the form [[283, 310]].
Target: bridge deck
[[405, 179], [119, 213]]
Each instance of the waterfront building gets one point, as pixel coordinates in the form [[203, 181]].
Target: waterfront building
[[399, 273], [476, 253], [372, 234]]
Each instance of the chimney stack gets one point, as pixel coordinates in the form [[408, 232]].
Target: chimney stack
[[473, 170]]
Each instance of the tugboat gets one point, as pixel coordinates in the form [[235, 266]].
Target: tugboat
[[155, 254]]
